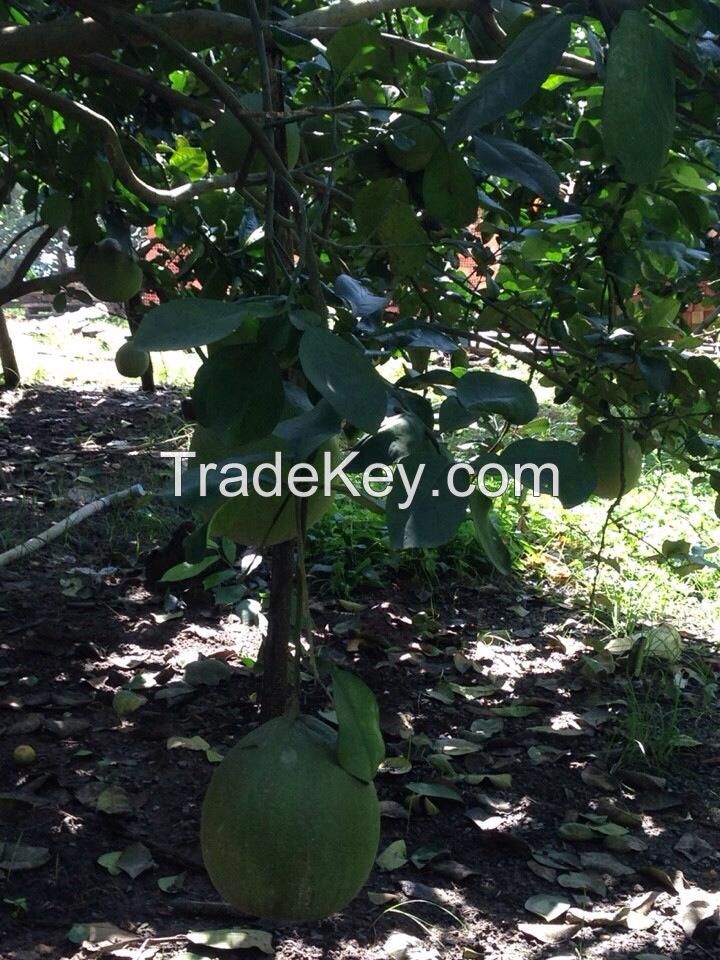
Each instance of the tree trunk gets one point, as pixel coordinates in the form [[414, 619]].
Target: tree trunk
[[134, 311], [7, 355], [275, 686], [275, 683]]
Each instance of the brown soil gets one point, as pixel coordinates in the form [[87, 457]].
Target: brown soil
[[79, 620]]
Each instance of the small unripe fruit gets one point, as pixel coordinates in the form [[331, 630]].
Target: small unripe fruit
[[24, 755], [617, 459], [130, 361]]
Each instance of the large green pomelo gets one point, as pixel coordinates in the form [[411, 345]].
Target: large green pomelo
[[617, 459], [232, 139], [286, 833], [412, 143], [255, 519], [109, 272], [130, 361]]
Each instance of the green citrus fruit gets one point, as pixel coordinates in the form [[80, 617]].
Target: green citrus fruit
[[232, 139], [109, 272], [24, 755], [412, 143], [372, 162], [617, 459], [131, 361], [459, 358], [254, 518], [286, 833]]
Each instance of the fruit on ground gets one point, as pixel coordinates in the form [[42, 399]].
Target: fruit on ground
[[286, 833], [131, 361], [24, 755], [109, 272], [617, 459], [254, 519]]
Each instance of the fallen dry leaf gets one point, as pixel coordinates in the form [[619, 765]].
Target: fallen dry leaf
[[550, 932]]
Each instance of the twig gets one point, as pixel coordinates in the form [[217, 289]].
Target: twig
[[206, 908], [58, 529]]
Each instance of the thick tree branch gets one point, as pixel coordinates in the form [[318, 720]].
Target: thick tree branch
[[103, 64], [195, 29], [18, 288], [18, 236], [108, 137], [351, 11], [198, 29], [32, 253]]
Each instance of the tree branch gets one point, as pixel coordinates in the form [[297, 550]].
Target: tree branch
[[18, 288], [18, 236], [570, 65], [108, 136], [97, 61], [345, 12], [195, 29], [130, 25], [32, 253], [199, 29]]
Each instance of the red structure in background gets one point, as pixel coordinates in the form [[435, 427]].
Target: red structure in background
[[694, 316], [156, 251]]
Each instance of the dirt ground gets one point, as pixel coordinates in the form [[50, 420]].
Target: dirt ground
[[495, 692]]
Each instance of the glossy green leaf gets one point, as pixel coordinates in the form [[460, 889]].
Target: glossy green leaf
[[183, 571], [481, 392], [195, 322], [638, 110], [345, 377], [490, 540], [359, 298], [305, 433], [239, 391], [512, 161], [517, 75], [576, 477], [449, 189], [360, 747], [432, 515], [401, 436], [356, 48], [438, 791]]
